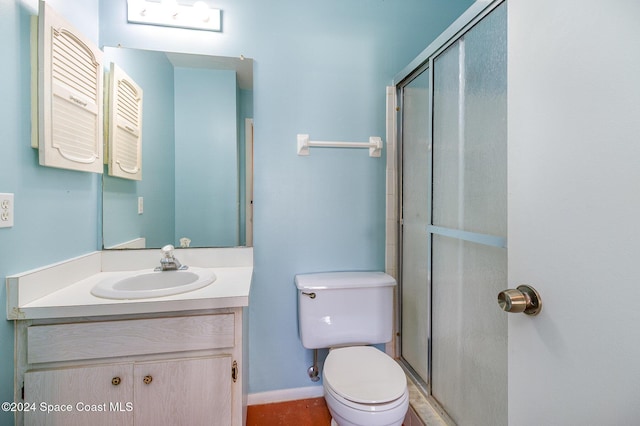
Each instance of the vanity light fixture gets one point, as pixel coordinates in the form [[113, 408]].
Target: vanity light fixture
[[170, 13]]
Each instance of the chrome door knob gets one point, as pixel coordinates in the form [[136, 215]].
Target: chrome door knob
[[524, 299]]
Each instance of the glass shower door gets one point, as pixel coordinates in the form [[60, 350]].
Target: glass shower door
[[416, 215], [454, 224], [469, 225]]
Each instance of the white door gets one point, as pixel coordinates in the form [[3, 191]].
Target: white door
[[574, 211]]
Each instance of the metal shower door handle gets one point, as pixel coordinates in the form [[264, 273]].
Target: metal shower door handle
[[524, 299]]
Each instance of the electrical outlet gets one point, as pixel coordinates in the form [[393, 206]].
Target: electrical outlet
[[6, 210]]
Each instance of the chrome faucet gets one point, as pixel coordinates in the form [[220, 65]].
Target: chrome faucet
[[168, 262]]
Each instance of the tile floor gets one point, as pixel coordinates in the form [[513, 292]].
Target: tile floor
[[303, 412]]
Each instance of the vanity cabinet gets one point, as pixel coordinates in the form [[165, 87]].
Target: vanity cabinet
[[146, 393], [178, 369]]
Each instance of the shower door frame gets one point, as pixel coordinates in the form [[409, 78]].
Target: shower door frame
[[425, 63]]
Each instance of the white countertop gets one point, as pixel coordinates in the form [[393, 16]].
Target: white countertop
[[64, 290]]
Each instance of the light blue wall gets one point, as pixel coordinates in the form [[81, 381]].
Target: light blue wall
[[56, 211], [206, 156], [153, 72], [321, 68]]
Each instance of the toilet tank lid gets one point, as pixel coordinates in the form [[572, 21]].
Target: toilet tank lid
[[336, 280]]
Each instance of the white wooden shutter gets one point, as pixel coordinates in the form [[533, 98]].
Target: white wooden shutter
[[125, 125], [70, 107]]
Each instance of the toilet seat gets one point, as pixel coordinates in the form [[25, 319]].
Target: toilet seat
[[331, 394], [363, 375]]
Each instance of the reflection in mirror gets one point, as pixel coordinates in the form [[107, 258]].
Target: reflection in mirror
[[197, 124]]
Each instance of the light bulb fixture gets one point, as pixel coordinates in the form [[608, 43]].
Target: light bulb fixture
[[201, 11], [170, 8], [170, 13]]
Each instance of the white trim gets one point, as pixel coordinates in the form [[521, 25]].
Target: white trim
[[248, 140], [391, 222], [282, 395]]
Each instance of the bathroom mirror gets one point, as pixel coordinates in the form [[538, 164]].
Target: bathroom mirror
[[196, 154]]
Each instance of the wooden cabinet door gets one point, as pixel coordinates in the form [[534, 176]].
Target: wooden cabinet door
[[193, 392], [125, 125], [70, 92], [96, 395]]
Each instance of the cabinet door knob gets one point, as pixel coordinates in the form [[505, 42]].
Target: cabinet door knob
[[116, 381], [147, 379]]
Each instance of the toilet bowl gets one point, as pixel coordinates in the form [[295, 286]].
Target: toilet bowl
[[364, 387]]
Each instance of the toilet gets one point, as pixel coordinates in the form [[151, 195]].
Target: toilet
[[346, 312]]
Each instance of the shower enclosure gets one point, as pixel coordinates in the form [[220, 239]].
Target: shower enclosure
[[453, 227]]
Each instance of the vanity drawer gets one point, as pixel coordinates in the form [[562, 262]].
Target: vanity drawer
[[108, 339]]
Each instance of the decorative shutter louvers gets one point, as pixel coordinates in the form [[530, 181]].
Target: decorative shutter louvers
[[125, 126], [70, 96]]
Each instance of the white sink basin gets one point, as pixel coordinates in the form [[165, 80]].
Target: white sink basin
[[149, 283]]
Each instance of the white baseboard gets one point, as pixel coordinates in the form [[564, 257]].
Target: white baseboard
[[284, 395]]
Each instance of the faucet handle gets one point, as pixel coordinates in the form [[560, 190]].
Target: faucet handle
[[167, 251]]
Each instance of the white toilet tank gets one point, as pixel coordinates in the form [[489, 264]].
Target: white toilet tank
[[344, 308]]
